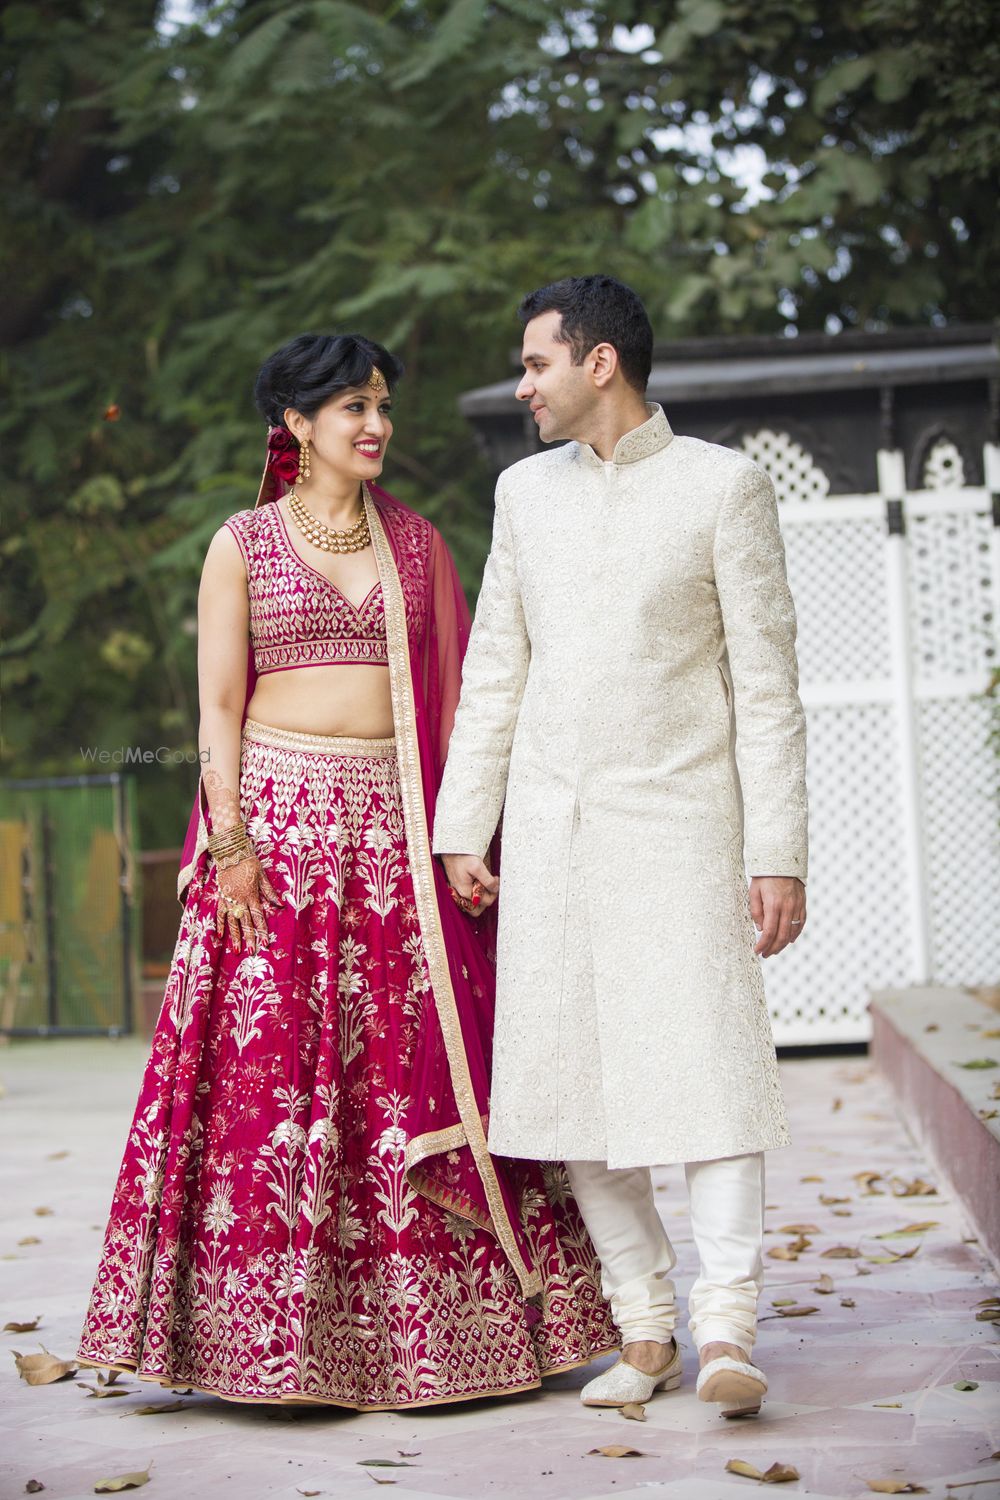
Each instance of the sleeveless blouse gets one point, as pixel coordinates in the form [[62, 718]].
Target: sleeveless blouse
[[299, 618]]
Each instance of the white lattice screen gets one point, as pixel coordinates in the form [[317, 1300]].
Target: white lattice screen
[[897, 635]]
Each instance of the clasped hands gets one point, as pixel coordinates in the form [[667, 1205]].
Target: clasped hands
[[777, 902], [465, 871]]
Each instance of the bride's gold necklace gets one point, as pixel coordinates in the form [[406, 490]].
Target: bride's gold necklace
[[355, 539]]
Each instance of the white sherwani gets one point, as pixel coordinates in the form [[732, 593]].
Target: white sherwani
[[633, 646]]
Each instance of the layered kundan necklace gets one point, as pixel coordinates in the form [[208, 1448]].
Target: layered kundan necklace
[[355, 539]]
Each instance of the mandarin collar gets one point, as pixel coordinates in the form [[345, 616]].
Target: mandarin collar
[[642, 442]]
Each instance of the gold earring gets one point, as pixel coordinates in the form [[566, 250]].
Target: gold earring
[[304, 470]]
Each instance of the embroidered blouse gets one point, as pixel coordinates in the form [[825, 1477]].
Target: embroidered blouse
[[298, 617]]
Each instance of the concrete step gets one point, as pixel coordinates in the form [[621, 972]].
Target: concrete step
[[923, 1042]]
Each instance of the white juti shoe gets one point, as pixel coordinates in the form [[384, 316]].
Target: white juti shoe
[[623, 1383], [734, 1384]]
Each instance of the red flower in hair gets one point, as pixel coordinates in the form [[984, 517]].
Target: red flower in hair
[[283, 454]]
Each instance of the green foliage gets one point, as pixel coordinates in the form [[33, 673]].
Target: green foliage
[[182, 200]]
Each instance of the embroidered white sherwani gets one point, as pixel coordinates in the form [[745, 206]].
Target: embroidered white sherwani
[[630, 688]]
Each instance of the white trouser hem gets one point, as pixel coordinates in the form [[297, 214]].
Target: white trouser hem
[[727, 1222]]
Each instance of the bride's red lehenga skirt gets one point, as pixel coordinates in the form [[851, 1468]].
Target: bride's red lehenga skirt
[[264, 1243]]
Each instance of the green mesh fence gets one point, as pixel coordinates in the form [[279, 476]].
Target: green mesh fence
[[70, 906]]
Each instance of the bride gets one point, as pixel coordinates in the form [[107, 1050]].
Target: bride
[[306, 1210]]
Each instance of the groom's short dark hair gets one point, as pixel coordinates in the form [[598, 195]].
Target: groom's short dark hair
[[598, 310]]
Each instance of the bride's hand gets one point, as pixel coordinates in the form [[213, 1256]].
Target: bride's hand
[[243, 891]]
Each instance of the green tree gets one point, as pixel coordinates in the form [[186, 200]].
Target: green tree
[[185, 197]]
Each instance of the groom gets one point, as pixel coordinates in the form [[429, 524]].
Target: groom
[[630, 701]]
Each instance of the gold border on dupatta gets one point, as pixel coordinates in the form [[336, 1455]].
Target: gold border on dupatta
[[422, 874]]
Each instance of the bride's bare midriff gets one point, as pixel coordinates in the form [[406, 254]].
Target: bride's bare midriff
[[348, 700]]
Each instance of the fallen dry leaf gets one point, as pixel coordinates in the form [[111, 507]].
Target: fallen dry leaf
[[837, 1104], [105, 1387], [866, 1181], [34, 1487], [23, 1327], [632, 1411], [895, 1487], [988, 1315], [847, 1302], [811, 1178], [840, 1252], [376, 1480], [385, 1463], [918, 1188], [155, 1408], [895, 1405], [966, 1385], [996, 1091], [133, 1481], [932, 1026], [892, 1257], [828, 1199], [416, 1452], [979, 1062], [783, 1302], [309, 1492], [841, 1213], [992, 1034], [30, 1239], [42, 1369], [56, 1155], [776, 1474], [783, 1252], [43, 1212], [800, 1229], [988, 1114], [615, 1450], [825, 1285], [921, 1228], [796, 1312]]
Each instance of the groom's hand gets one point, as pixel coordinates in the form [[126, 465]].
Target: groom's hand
[[778, 908], [462, 870]]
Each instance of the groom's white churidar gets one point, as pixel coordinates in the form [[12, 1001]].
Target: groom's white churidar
[[630, 700]]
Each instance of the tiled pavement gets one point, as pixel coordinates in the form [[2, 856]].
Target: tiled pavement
[[862, 1389]]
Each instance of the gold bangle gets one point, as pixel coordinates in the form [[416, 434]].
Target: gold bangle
[[227, 833], [234, 857], [228, 838]]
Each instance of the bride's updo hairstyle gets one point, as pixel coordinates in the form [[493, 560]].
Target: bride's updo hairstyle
[[309, 369]]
